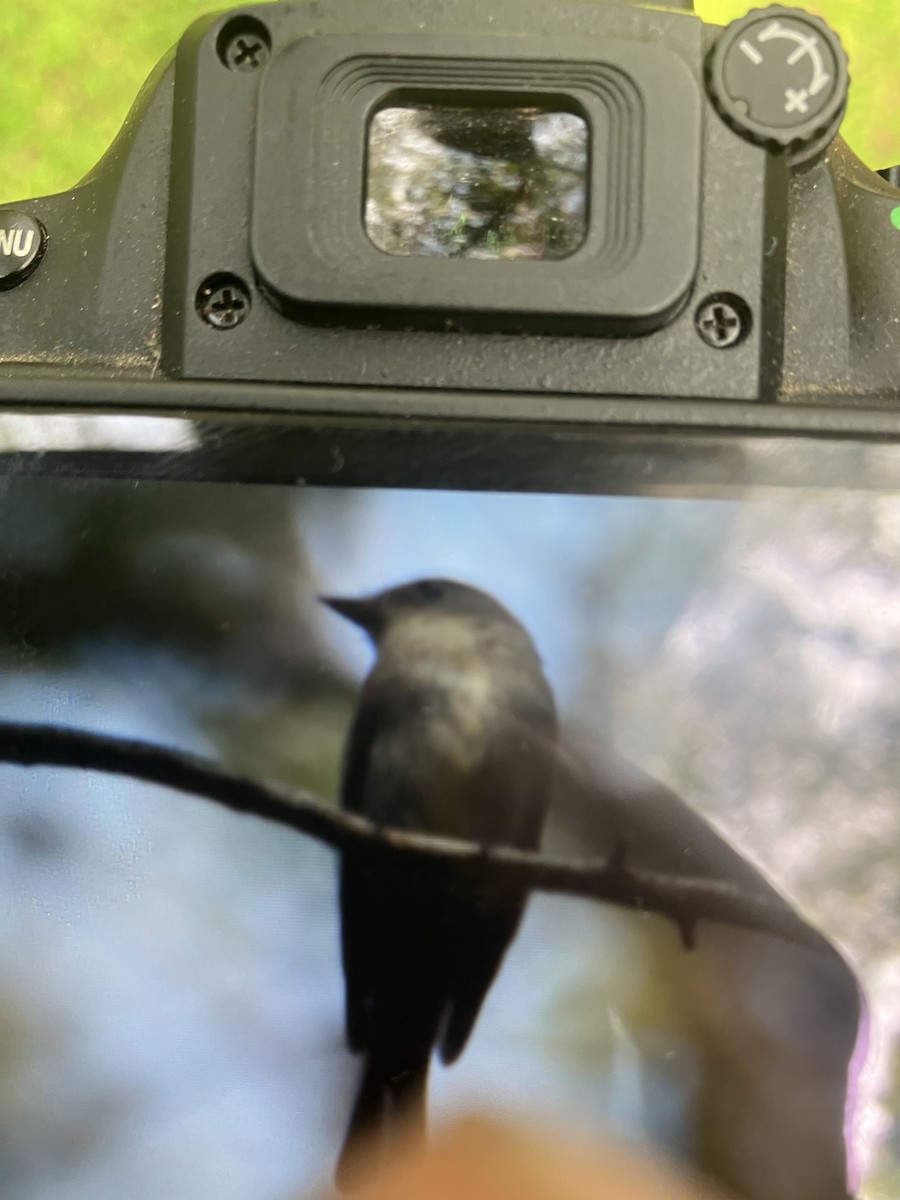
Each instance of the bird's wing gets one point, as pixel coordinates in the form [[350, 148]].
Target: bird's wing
[[356, 885], [378, 782], [510, 793]]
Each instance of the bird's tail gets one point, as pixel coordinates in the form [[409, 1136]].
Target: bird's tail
[[390, 1101]]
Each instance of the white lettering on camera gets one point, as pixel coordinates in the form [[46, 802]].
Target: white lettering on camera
[[16, 242]]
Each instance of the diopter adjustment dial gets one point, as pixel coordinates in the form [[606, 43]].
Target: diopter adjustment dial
[[778, 77]]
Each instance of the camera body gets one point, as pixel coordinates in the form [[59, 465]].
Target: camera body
[[734, 270]]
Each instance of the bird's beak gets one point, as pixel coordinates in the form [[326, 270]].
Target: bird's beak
[[365, 612]]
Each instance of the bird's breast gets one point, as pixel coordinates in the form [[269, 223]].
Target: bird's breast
[[462, 689]]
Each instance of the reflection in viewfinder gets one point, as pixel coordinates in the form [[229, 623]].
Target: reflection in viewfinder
[[466, 182]]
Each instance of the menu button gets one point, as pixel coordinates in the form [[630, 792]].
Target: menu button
[[23, 241]]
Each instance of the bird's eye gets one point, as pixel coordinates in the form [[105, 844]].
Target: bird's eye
[[430, 589]]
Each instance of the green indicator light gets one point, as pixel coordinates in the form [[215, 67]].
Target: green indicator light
[[895, 217]]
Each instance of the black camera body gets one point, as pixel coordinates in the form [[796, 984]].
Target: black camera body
[[731, 268]]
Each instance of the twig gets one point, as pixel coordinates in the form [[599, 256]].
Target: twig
[[682, 900]]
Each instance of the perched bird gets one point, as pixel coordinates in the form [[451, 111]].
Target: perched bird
[[453, 734]]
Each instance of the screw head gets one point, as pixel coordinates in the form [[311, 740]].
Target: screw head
[[245, 53], [722, 321], [223, 301], [244, 44]]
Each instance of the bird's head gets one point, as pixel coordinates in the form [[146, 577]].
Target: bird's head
[[440, 598]]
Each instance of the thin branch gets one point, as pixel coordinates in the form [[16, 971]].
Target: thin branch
[[682, 900]]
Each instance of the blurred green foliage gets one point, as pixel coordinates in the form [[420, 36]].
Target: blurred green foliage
[[66, 94], [72, 72]]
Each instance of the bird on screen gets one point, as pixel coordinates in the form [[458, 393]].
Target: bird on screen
[[453, 735]]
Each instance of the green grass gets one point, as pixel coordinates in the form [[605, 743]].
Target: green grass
[[63, 98], [70, 73]]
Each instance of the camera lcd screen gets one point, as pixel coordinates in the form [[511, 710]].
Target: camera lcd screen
[[725, 675], [477, 182]]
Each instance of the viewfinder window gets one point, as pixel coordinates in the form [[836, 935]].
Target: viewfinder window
[[476, 181]]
